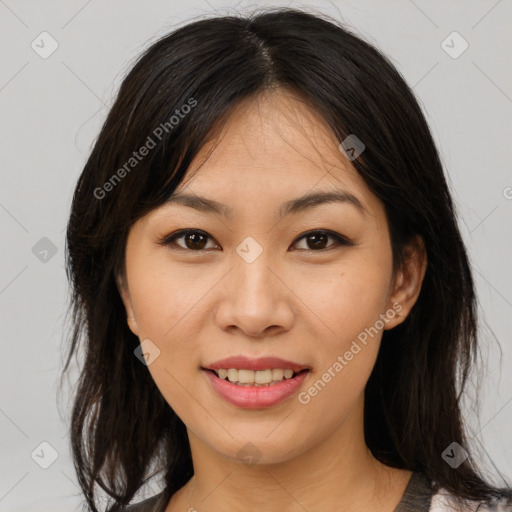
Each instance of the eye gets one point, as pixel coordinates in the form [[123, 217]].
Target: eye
[[196, 240], [317, 240]]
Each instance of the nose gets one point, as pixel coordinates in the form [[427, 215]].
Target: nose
[[255, 300]]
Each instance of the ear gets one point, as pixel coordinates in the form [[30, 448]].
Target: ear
[[122, 286], [408, 281]]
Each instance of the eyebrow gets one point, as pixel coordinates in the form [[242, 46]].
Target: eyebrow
[[293, 206]]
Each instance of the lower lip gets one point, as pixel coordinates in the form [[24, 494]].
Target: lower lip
[[255, 397]]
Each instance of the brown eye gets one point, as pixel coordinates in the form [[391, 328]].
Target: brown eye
[[196, 240], [318, 240], [193, 240]]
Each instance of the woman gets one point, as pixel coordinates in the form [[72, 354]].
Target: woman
[[268, 279]]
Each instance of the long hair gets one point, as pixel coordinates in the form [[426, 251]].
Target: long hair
[[176, 96]]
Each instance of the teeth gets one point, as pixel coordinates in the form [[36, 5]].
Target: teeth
[[277, 374], [261, 377], [251, 377]]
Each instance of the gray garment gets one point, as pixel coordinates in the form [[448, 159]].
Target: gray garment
[[416, 498], [153, 504], [417, 495]]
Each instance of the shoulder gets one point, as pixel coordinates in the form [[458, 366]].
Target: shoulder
[[153, 504], [444, 501]]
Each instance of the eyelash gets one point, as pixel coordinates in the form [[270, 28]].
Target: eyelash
[[170, 240]]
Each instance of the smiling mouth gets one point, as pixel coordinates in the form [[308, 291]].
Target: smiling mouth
[[250, 378]]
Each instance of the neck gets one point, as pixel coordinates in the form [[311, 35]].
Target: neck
[[339, 473]]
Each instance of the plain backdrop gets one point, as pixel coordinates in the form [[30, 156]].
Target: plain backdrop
[[53, 105]]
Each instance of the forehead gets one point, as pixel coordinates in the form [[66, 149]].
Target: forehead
[[273, 152], [273, 142]]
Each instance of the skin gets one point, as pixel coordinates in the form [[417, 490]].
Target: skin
[[294, 301]]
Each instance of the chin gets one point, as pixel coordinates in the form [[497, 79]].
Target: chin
[[259, 451]]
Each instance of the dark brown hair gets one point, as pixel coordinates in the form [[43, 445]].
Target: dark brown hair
[[121, 424]]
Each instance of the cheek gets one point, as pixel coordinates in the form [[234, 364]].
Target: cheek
[[164, 301], [349, 297], [165, 305], [350, 306]]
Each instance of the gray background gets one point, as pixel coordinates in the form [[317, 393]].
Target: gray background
[[51, 112]]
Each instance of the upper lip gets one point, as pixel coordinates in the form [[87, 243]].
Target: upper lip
[[260, 363]]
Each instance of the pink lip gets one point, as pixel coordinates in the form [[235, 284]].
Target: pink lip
[[255, 397], [260, 363]]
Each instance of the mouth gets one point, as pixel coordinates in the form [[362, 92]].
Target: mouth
[[252, 394], [256, 379]]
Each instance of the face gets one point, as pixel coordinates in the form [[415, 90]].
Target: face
[[260, 279]]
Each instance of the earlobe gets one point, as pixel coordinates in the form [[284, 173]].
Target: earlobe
[[132, 324], [409, 280], [125, 297]]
